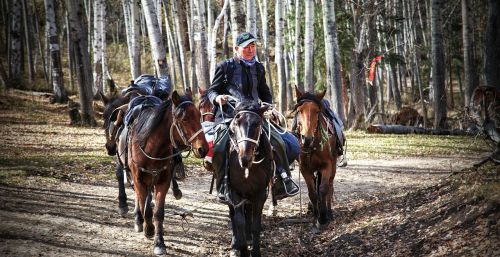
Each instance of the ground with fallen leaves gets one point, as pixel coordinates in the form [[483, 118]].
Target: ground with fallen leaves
[[400, 195]]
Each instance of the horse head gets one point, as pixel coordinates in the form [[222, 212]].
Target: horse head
[[205, 106], [308, 111], [112, 116], [245, 130], [187, 124]]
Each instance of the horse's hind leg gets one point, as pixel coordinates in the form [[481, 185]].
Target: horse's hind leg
[[158, 216], [122, 196], [175, 189]]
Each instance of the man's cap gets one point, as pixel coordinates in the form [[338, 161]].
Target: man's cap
[[244, 39]]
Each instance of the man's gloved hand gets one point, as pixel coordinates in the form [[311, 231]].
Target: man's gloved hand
[[221, 99]]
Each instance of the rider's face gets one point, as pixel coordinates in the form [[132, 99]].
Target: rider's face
[[247, 52]]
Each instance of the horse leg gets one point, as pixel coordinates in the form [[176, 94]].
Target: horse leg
[[257, 224], [311, 190], [138, 216], [330, 187], [159, 215], [238, 223], [274, 202], [324, 193], [175, 189], [141, 193], [248, 223], [122, 196]]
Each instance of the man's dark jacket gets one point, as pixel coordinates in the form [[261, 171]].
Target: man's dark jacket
[[227, 82]]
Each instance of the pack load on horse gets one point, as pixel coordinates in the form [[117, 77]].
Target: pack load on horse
[[143, 91], [242, 77], [321, 144], [152, 138]]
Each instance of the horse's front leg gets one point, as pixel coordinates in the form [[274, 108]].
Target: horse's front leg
[[144, 217], [122, 196], [158, 217], [325, 193], [311, 189], [239, 238], [258, 206], [330, 187]]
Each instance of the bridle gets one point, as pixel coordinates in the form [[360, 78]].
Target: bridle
[[180, 129], [308, 149], [246, 138]]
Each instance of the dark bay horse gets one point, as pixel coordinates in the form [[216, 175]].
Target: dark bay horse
[[318, 156], [152, 138], [250, 170]]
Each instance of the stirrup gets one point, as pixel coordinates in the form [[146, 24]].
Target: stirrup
[[295, 184]]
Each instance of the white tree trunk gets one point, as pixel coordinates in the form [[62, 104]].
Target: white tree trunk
[[238, 18], [200, 39], [97, 47], [332, 56], [155, 39], [180, 43], [309, 46], [296, 48], [265, 41], [251, 22], [280, 61], [60, 95], [172, 47], [213, 44]]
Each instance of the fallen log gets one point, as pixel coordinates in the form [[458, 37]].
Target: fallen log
[[400, 129]]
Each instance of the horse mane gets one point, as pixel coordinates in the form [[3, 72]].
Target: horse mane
[[247, 105], [114, 102], [307, 96], [148, 120]]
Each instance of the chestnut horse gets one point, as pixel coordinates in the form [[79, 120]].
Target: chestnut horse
[[250, 170], [152, 138], [318, 155]]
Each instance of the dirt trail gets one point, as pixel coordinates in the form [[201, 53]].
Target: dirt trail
[[73, 219]]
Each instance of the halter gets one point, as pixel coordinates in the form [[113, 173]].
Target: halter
[[251, 140], [319, 128], [180, 131]]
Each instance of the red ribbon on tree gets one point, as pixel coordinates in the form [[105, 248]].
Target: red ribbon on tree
[[373, 65]]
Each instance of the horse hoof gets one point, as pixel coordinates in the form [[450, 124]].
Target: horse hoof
[[177, 194], [123, 211], [160, 250], [272, 212], [234, 253], [137, 228], [320, 226], [149, 232]]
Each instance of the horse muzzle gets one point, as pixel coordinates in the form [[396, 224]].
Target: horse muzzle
[[307, 141], [246, 161]]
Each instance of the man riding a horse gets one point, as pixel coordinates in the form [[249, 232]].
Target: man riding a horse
[[243, 77]]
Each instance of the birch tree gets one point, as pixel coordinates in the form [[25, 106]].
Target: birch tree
[[132, 28], [491, 49], [180, 42], [296, 48], [238, 17], [60, 95], [438, 68], [82, 59], [200, 39], [309, 46], [332, 56], [265, 41], [97, 45], [15, 45], [279, 58], [157, 46], [251, 22], [213, 44]]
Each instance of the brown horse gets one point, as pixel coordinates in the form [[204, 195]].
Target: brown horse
[[318, 155], [152, 138], [205, 106]]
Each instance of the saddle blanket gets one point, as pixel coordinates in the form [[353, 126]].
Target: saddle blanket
[[208, 129]]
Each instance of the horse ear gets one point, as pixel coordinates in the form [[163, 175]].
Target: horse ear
[[298, 93], [263, 109], [188, 92], [321, 95], [201, 91], [176, 99], [104, 99]]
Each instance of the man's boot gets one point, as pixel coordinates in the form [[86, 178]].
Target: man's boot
[[283, 185]]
